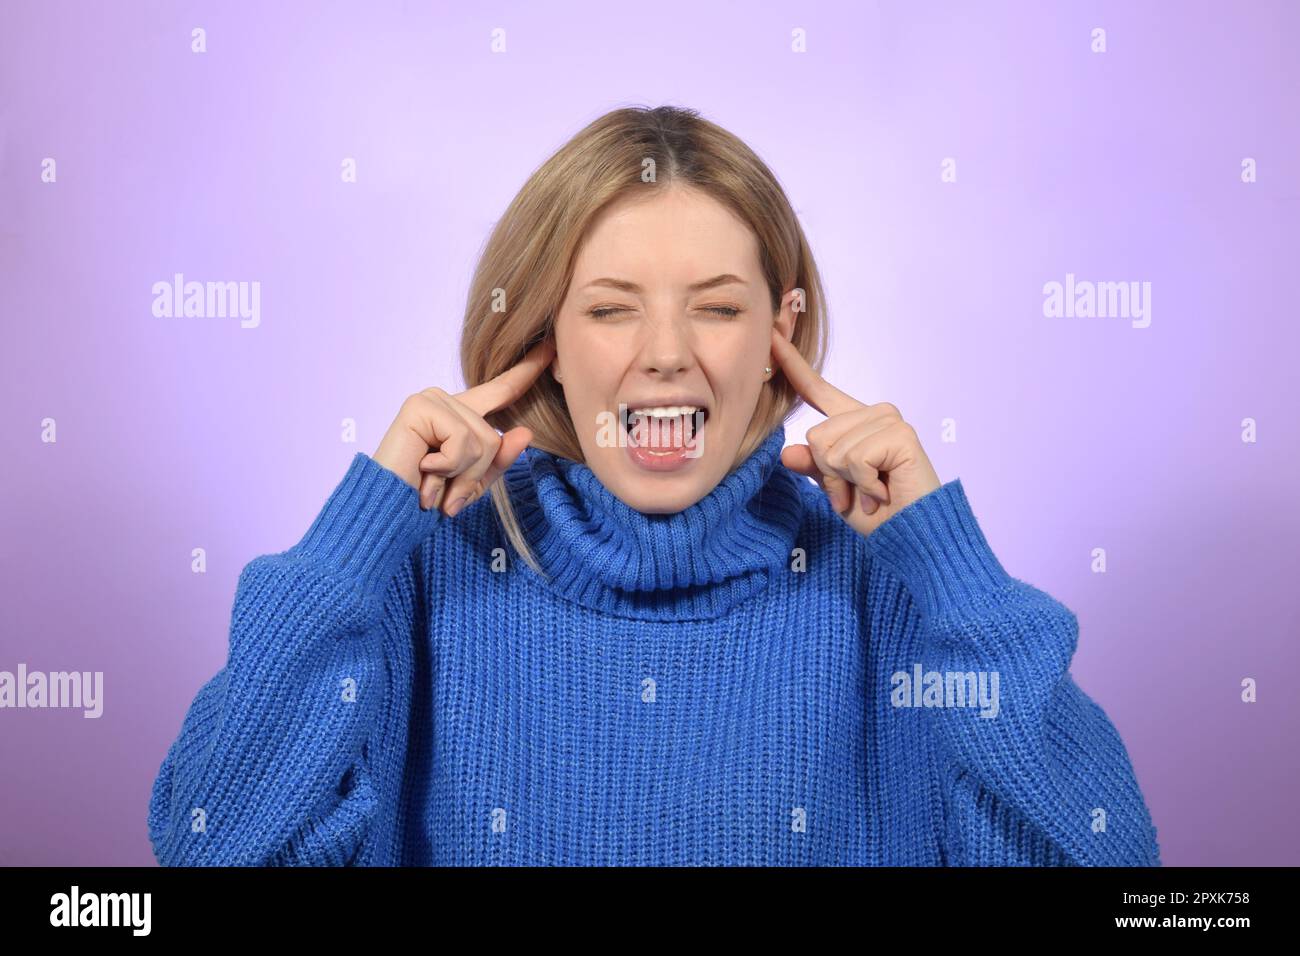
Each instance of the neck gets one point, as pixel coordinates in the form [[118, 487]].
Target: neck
[[696, 563]]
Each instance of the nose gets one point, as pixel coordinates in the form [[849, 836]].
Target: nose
[[667, 347]]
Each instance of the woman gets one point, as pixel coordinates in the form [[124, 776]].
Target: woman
[[664, 643]]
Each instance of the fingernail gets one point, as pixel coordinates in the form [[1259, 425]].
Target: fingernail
[[455, 506]]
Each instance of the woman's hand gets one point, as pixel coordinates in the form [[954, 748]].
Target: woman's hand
[[865, 457], [437, 436]]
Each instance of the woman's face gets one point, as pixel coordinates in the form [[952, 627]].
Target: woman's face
[[667, 310]]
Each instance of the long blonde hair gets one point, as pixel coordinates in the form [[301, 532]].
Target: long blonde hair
[[528, 262]]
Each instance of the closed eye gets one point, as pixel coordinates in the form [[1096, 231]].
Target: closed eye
[[726, 311]]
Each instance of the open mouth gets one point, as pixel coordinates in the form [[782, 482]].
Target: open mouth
[[661, 429]]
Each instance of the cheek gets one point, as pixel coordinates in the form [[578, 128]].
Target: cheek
[[743, 350], [740, 375], [738, 394], [591, 352], [591, 366]]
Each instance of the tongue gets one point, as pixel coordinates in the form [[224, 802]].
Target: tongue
[[662, 434]]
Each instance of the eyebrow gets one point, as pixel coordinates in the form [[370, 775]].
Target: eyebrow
[[622, 284]]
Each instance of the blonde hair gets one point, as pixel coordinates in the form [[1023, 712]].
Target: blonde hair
[[530, 254]]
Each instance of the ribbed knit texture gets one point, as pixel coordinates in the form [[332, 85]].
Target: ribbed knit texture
[[711, 687]]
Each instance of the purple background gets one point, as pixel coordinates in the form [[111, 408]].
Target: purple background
[[1072, 433]]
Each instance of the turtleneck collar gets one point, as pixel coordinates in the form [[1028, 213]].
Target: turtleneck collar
[[695, 564]]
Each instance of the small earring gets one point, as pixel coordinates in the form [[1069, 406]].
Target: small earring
[[767, 370]]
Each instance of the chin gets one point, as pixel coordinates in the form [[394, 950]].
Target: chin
[[670, 493], [665, 503]]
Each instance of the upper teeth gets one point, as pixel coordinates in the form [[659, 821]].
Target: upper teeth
[[665, 411]]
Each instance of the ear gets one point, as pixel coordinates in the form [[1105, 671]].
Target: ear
[[554, 367], [786, 315]]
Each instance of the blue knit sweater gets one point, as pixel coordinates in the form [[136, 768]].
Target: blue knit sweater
[[748, 681]]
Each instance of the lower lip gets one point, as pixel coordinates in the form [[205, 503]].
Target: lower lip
[[671, 459]]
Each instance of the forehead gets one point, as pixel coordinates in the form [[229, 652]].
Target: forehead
[[678, 235]]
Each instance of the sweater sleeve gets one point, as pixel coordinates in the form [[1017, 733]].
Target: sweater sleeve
[[1039, 776], [273, 762]]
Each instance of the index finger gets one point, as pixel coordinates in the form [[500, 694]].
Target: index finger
[[814, 389], [511, 384]]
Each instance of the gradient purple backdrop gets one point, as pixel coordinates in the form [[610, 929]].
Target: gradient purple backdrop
[[1073, 434]]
